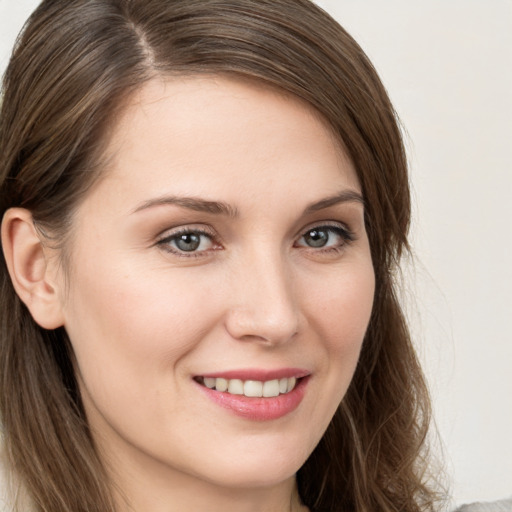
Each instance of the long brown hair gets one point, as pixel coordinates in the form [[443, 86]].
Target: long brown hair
[[73, 66]]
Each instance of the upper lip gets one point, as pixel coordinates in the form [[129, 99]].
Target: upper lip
[[258, 374]]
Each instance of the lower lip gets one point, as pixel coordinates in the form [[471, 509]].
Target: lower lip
[[259, 409]]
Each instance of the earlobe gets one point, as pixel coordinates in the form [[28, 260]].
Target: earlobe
[[28, 264]]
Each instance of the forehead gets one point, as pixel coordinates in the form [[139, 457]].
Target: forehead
[[201, 133]]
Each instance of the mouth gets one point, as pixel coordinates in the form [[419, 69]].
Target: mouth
[[250, 388], [256, 394]]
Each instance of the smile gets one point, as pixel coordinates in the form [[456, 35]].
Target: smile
[[250, 388]]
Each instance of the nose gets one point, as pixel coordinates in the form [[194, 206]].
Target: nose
[[264, 306]]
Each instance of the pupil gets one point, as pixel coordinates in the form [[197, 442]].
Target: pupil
[[316, 238], [188, 242]]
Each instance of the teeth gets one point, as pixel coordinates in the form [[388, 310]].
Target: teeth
[[209, 382], [291, 384], [271, 388], [236, 387], [251, 388], [221, 384]]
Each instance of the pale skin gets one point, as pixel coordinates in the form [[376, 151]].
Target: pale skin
[[272, 270]]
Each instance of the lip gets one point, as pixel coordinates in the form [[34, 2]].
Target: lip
[[259, 374], [259, 409]]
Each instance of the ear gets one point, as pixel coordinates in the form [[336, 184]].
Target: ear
[[32, 272]]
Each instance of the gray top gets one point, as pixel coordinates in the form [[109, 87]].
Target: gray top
[[495, 506]]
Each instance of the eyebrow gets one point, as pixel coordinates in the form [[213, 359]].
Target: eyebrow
[[346, 196], [221, 208], [191, 203]]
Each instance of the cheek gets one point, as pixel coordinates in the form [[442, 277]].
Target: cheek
[[341, 307], [122, 323], [340, 311], [131, 334]]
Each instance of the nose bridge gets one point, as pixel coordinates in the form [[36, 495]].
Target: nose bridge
[[264, 304]]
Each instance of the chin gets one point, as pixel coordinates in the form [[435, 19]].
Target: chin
[[255, 477], [257, 468]]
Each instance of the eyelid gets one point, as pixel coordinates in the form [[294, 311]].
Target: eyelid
[[340, 229], [164, 239], [328, 224], [187, 228]]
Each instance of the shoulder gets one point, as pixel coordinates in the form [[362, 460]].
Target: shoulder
[[495, 506]]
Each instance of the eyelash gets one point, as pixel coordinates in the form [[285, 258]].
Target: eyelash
[[344, 233], [165, 242]]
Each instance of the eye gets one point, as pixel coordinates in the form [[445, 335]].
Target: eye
[[188, 242], [325, 237]]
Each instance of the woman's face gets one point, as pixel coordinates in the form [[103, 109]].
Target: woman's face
[[224, 247]]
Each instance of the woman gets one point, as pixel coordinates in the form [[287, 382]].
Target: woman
[[204, 205]]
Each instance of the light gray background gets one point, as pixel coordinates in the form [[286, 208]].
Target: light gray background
[[448, 67]]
